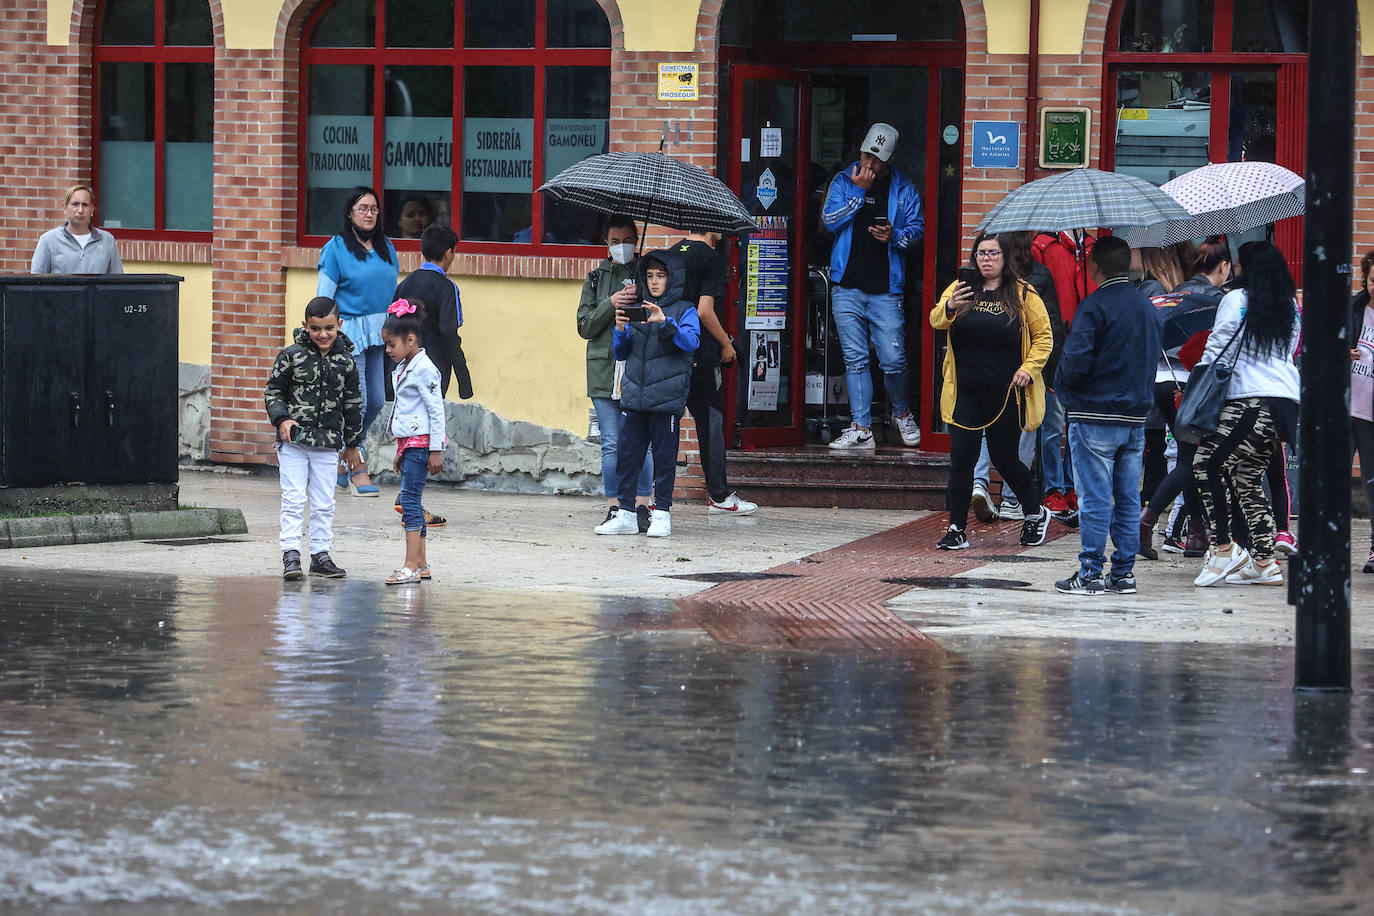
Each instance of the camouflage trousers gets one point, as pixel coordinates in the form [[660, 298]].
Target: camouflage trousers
[[1233, 460]]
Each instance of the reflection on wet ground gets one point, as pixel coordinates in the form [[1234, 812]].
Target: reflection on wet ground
[[175, 744]]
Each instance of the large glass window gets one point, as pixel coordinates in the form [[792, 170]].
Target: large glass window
[[495, 105], [154, 115], [750, 23]]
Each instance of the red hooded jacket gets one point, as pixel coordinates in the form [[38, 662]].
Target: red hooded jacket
[[1068, 264]]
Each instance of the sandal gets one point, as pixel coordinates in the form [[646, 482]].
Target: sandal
[[404, 576], [424, 573], [367, 489], [431, 520]]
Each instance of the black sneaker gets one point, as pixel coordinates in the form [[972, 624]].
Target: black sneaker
[[954, 539], [643, 515], [1067, 519], [1034, 528], [1078, 584], [291, 565], [1369, 564], [1121, 585], [322, 565]]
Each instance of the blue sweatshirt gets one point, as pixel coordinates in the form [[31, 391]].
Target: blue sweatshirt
[[1107, 369]]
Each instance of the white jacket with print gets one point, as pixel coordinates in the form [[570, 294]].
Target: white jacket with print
[[419, 407]]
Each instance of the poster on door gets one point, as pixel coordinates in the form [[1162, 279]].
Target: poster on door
[[766, 275], [765, 369]]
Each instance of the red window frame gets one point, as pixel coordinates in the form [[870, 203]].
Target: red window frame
[[540, 58], [1221, 62], [159, 54]]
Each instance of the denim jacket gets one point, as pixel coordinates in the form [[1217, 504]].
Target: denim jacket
[[419, 407]]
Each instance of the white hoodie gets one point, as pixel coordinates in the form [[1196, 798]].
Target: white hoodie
[[1266, 374]]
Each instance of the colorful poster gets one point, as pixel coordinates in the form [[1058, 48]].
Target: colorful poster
[[765, 369], [767, 271], [677, 82]]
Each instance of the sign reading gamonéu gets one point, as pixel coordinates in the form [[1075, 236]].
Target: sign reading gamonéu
[[1065, 137], [417, 153]]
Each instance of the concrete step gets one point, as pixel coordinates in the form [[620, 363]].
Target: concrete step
[[816, 476]]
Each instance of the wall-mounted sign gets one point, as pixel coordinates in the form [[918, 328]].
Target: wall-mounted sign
[[996, 144], [767, 191], [1065, 137], [677, 82], [950, 135]]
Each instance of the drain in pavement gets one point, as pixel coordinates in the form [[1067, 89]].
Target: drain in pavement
[[719, 577], [956, 582]]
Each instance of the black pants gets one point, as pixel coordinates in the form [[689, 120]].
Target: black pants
[[964, 445], [706, 404], [1363, 431], [1180, 479], [638, 432]]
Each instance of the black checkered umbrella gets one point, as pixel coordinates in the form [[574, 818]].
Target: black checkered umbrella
[[653, 188], [1225, 198], [1082, 199]]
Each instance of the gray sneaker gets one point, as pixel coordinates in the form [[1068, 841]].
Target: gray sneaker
[[906, 426], [854, 439]]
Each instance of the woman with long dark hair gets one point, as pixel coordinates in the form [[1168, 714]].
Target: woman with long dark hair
[[1362, 385], [358, 271], [999, 340], [1256, 332]]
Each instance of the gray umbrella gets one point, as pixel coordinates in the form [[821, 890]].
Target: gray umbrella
[[653, 188], [1082, 199]]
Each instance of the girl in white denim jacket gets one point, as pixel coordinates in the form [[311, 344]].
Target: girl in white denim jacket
[[417, 422]]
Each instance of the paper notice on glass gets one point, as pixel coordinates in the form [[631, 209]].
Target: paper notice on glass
[[767, 275], [765, 369], [770, 142]]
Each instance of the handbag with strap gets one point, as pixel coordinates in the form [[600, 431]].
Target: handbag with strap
[[1204, 398]]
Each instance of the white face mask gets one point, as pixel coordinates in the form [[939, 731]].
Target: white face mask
[[623, 253]]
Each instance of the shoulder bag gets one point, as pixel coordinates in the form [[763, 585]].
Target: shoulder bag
[[1199, 410]]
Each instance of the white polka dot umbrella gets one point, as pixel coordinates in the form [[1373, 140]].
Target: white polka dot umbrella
[[1226, 197]]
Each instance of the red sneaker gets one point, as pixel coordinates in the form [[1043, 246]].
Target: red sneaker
[[1055, 501], [1073, 500]]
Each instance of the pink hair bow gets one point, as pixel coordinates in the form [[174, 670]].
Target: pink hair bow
[[401, 307]]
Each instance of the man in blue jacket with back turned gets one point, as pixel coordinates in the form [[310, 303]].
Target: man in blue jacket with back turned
[[1106, 382], [875, 213]]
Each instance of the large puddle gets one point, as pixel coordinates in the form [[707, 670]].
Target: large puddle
[[172, 744]]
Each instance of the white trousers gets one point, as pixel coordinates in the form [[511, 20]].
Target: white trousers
[[312, 471]]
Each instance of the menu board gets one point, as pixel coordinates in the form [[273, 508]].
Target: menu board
[[766, 275]]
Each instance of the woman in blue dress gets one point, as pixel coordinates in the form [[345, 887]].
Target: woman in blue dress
[[358, 271]]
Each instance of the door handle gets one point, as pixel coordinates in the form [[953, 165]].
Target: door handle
[[76, 410], [109, 407]]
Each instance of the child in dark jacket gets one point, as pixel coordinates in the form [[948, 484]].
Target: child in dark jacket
[[653, 391], [313, 399]]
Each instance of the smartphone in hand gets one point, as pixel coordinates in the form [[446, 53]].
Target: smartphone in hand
[[880, 222], [635, 313], [971, 277]]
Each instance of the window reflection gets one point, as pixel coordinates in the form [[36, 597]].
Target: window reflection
[[498, 153], [1270, 26], [1157, 26], [417, 150], [1163, 123]]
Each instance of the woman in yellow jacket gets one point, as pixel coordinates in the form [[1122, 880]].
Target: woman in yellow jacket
[[999, 339]]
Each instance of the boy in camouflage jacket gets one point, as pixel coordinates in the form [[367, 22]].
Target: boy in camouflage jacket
[[314, 401]]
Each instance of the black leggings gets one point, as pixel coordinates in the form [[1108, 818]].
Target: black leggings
[[1364, 444], [1180, 479], [964, 445]]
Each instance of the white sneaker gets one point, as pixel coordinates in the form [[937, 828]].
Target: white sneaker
[[1011, 511], [1250, 574], [1219, 565], [623, 522], [906, 425], [854, 438], [661, 524], [731, 505], [982, 506]]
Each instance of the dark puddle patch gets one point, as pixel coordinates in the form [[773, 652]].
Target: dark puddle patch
[[936, 582], [192, 542], [1009, 558], [718, 577]]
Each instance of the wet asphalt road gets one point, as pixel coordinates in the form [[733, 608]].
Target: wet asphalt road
[[177, 744]]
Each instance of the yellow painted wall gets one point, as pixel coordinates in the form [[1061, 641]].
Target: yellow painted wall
[[660, 25], [520, 339], [194, 306], [1061, 26]]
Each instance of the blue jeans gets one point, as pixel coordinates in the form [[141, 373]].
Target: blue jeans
[[860, 318], [1108, 459], [608, 420], [372, 381], [414, 470], [1058, 468]]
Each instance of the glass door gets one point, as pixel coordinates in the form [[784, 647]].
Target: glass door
[[768, 155]]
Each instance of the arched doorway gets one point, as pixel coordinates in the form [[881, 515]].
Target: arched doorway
[[800, 84]]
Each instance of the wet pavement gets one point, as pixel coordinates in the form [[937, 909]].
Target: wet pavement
[[175, 743]]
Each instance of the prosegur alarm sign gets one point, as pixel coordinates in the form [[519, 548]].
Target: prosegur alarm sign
[[677, 82]]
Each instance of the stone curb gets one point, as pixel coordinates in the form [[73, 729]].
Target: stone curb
[[128, 526]]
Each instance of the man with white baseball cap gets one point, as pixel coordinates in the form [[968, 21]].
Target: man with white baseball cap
[[875, 214]]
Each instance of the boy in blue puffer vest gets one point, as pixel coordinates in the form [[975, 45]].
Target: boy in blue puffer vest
[[653, 390]]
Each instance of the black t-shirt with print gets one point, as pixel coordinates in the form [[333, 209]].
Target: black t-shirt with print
[[704, 274], [987, 353], [867, 270]]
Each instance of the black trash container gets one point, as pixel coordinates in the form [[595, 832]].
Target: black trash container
[[89, 369]]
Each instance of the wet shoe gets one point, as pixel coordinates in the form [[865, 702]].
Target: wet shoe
[[1148, 521], [731, 505], [1121, 585], [954, 539], [1285, 544], [981, 504], [643, 515], [1011, 512], [1055, 501], [1250, 574], [854, 439], [1034, 529], [622, 521], [1220, 564], [1079, 584], [661, 524], [291, 565], [322, 565], [907, 428]]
